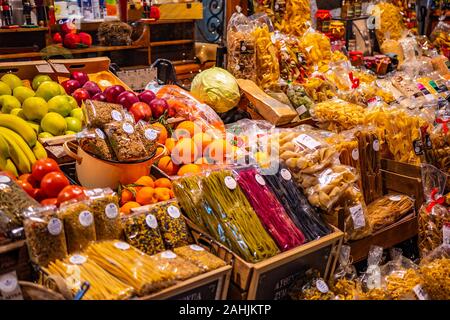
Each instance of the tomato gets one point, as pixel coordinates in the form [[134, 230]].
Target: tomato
[[69, 193], [141, 111], [50, 202], [27, 187], [52, 183], [27, 177], [43, 166], [38, 194]]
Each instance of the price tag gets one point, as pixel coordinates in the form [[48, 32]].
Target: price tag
[[260, 179], [376, 145], [122, 245], [286, 174], [307, 141], [85, 218], [174, 212], [420, 292], [151, 221], [100, 133], [77, 259], [230, 182], [446, 234], [196, 247], [44, 68], [128, 128], [355, 154], [150, 134], [9, 287], [168, 254], [116, 115], [395, 198], [357, 216], [322, 286], [60, 68], [4, 179], [111, 210], [301, 110], [54, 226]]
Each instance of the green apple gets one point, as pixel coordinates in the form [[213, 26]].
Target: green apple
[[61, 105], [72, 101], [74, 124], [18, 112], [44, 135], [12, 80], [36, 127], [40, 78], [70, 132], [54, 123], [48, 90], [22, 93], [8, 103], [77, 113], [4, 89], [62, 91], [35, 108]]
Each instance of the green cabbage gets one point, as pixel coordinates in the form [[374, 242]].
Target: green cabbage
[[217, 88]]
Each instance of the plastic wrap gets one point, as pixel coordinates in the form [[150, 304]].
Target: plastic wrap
[[94, 141], [388, 209], [392, 46], [299, 100], [319, 89], [224, 212], [312, 287], [45, 235], [345, 269], [79, 225], [125, 141], [270, 212], [141, 230], [295, 16], [13, 200], [267, 66], [290, 58], [439, 155], [200, 257], [99, 113], [345, 285], [104, 204], [316, 48], [390, 20], [440, 36], [176, 266], [371, 279], [149, 136], [77, 269], [131, 266]]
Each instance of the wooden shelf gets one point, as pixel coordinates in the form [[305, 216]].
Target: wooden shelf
[[167, 21], [171, 43], [41, 29], [12, 246]]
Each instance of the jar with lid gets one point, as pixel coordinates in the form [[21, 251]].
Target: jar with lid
[[356, 58], [323, 18], [337, 30]]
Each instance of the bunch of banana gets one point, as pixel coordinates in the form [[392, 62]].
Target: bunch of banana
[[19, 147]]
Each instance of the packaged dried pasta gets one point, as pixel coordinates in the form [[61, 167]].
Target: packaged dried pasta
[[388, 209], [316, 48], [296, 16], [313, 287], [390, 20], [371, 279], [99, 113], [125, 141], [79, 225], [345, 283], [104, 204], [290, 58], [176, 266], [200, 257], [77, 269], [94, 141], [131, 266], [345, 269], [45, 235], [299, 100], [267, 67], [319, 89], [141, 230], [149, 136], [270, 212]]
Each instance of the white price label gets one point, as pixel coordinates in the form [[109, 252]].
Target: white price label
[[168, 254], [355, 154], [5, 179], [100, 133], [111, 210], [357, 216], [44, 68], [116, 115], [260, 179], [174, 212], [8, 282], [85, 218], [151, 221], [376, 145], [77, 259], [446, 234], [54, 226], [60, 68], [307, 141], [150, 134], [322, 286], [128, 128], [286, 174], [420, 292], [301, 110], [122, 245], [129, 117], [230, 182], [395, 198], [196, 247]]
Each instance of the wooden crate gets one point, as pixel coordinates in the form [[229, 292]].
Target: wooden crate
[[27, 70], [271, 278], [14, 256], [181, 11], [209, 286]]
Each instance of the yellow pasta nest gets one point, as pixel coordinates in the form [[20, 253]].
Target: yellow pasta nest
[[390, 21]]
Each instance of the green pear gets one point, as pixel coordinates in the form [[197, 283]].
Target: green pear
[[35, 108], [54, 123], [61, 105], [8, 103], [48, 90], [74, 124], [40, 78], [22, 93], [11, 80], [44, 135], [4, 89], [77, 113]]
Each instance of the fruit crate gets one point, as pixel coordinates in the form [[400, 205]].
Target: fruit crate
[[14, 257], [27, 70], [271, 278]]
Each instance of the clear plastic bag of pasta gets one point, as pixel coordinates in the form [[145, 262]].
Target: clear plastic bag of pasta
[[390, 20], [130, 266], [290, 58], [316, 48], [45, 235], [80, 268], [295, 16], [318, 88], [371, 278], [299, 100], [104, 204], [313, 287], [141, 230], [345, 286], [435, 272], [200, 257], [388, 209], [78, 223], [173, 264]]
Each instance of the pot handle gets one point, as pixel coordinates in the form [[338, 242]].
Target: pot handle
[[161, 154], [71, 154]]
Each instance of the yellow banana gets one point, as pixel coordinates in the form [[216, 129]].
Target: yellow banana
[[18, 156], [19, 126], [16, 139], [35, 126], [10, 167], [39, 151], [4, 149]]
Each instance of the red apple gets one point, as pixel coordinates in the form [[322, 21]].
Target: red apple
[[57, 38], [146, 96], [85, 38], [158, 107], [80, 95], [80, 76], [99, 97], [70, 85], [127, 99], [141, 111], [155, 13], [71, 40], [68, 27], [112, 92], [92, 88]]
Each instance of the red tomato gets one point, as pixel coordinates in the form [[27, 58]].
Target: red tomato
[[52, 184], [50, 202], [43, 166], [29, 178], [141, 111], [69, 193], [27, 187]]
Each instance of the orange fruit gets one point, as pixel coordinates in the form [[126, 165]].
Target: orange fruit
[[189, 168], [126, 208], [218, 150], [126, 196], [190, 127], [166, 164], [159, 150], [145, 181], [162, 194], [163, 183], [145, 195], [202, 140], [185, 151], [163, 132], [170, 144], [179, 134], [172, 195]]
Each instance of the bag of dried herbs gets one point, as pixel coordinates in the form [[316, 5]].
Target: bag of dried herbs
[[99, 113], [149, 135], [94, 141]]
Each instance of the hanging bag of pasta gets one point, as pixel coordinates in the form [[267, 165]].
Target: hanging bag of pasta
[[345, 283], [435, 271], [316, 48]]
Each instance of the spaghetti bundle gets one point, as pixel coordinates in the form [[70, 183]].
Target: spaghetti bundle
[[269, 210], [78, 269], [307, 219]]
